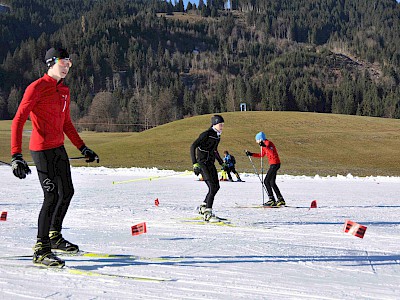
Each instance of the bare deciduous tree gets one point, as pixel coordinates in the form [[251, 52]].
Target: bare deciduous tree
[[104, 111]]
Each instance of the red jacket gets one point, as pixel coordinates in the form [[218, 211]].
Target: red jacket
[[270, 151], [47, 102]]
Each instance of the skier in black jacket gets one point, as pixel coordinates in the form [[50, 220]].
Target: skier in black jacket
[[204, 152]]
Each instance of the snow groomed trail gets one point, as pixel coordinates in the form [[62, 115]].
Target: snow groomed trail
[[287, 253]]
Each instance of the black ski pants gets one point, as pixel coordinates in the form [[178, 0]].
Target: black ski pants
[[270, 181], [233, 170], [210, 176], [54, 173]]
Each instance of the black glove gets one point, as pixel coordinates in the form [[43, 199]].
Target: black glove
[[196, 169], [89, 154], [19, 166], [262, 144], [248, 153]]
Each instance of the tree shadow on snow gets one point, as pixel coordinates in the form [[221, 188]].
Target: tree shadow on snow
[[365, 223], [200, 261]]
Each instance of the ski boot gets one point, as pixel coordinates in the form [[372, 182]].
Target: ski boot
[[270, 203], [210, 217], [238, 177], [59, 244], [202, 208], [43, 256], [280, 202]]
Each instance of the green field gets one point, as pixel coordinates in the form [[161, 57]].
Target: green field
[[308, 143]]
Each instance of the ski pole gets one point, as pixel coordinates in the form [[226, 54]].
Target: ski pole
[[31, 162], [262, 172], [5, 163], [255, 170], [69, 158], [78, 157]]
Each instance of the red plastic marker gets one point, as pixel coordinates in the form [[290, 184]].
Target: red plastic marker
[[3, 216], [313, 204], [156, 202], [139, 228], [354, 229]]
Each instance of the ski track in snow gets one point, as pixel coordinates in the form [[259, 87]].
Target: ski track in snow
[[287, 253]]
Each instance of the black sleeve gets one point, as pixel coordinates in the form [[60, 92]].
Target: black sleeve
[[218, 157], [195, 144]]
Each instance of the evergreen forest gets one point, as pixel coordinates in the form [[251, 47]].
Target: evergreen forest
[[139, 64]]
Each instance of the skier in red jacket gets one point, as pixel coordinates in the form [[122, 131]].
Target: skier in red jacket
[[47, 102], [268, 149]]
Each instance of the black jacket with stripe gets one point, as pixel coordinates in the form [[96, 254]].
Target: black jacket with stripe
[[204, 149]]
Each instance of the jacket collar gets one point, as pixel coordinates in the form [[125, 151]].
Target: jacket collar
[[51, 80], [218, 133]]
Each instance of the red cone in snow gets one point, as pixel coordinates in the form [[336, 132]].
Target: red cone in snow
[[354, 228], [3, 216]]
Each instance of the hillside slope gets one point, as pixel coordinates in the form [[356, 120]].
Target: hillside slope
[[158, 64], [308, 143]]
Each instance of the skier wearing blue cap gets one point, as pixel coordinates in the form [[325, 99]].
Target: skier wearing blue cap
[[268, 149]]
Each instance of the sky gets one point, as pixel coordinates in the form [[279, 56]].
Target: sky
[[185, 2]]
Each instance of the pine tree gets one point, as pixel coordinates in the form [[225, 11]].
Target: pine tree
[[14, 98]]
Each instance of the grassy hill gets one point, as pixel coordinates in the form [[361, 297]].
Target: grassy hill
[[308, 143]]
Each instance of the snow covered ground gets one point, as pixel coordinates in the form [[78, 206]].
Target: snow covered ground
[[288, 253]]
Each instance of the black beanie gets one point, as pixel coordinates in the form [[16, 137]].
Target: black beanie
[[54, 53], [216, 120]]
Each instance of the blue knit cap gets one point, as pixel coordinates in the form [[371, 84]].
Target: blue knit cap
[[260, 136]]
